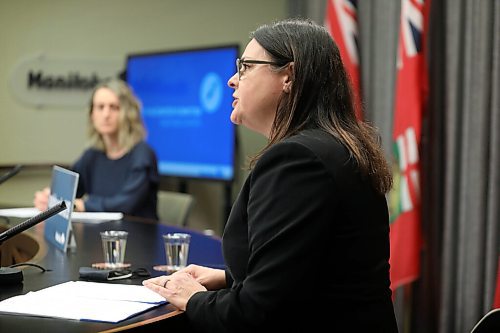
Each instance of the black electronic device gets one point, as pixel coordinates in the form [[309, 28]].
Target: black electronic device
[[9, 275]]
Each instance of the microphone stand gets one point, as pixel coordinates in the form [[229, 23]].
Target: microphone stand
[[11, 173], [10, 275]]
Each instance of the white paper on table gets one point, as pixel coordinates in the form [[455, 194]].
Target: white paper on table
[[105, 291], [19, 212], [88, 217], [79, 300], [95, 217]]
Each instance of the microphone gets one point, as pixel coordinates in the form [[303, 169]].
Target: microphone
[[9, 275], [11, 173]]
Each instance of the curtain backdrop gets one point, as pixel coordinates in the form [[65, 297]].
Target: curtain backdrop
[[460, 150], [471, 165]]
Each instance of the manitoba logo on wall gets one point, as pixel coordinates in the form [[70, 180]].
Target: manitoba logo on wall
[[42, 80]]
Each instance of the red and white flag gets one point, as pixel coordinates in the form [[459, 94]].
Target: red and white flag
[[342, 23], [404, 199], [496, 300]]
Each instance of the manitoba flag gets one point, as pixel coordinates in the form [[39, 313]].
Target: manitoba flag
[[341, 22], [496, 300], [404, 199]]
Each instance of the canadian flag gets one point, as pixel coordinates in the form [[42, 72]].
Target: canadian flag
[[342, 23]]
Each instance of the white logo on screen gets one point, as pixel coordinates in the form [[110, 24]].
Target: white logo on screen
[[60, 237], [211, 91]]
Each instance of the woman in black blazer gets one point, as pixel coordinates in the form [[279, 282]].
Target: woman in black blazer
[[307, 242]]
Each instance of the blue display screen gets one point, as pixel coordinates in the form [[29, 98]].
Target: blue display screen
[[186, 107]]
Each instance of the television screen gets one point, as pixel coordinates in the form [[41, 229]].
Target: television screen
[[186, 107]]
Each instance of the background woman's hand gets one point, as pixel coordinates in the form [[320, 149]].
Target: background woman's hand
[[79, 205], [41, 200]]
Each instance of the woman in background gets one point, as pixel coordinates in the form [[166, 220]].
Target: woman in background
[[118, 172]]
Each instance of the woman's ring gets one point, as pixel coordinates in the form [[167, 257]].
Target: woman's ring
[[165, 284]]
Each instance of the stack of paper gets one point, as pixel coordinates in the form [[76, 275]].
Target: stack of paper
[[79, 300]]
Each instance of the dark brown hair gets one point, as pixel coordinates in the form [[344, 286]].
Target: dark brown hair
[[320, 95]]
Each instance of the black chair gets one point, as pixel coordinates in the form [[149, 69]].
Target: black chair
[[490, 323], [174, 207]]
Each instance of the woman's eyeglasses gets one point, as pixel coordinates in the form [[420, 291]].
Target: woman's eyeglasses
[[241, 64]]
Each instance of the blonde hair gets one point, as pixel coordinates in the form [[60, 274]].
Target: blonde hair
[[131, 127]]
